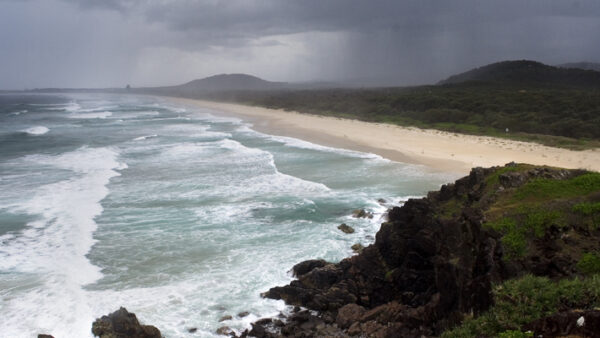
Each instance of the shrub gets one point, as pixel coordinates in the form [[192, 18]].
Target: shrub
[[589, 263]]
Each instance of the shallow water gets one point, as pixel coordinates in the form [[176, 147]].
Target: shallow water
[[180, 214]]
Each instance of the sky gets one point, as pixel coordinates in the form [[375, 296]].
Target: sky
[[111, 43]]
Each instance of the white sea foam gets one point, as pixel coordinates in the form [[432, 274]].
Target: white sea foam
[[54, 246], [37, 130], [297, 143], [97, 115], [19, 112], [69, 107], [195, 130], [141, 138], [137, 114]]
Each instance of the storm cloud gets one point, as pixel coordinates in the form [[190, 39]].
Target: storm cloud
[[90, 43]]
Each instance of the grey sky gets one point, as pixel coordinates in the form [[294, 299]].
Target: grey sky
[[99, 43]]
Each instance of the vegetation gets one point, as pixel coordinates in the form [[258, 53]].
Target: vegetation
[[589, 263], [522, 100], [523, 300], [526, 214], [556, 116], [543, 189]]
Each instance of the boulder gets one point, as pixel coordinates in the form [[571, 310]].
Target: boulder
[[348, 314], [122, 324], [357, 247], [362, 213], [224, 331], [224, 318], [346, 228], [307, 266]]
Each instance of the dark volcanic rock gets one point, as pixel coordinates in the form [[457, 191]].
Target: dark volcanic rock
[[224, 318], [346, 228], [224, 331], [362, 213], [44, 336], [348, 314], [122, 324], [419, 270], [307, 266], [357, 247]]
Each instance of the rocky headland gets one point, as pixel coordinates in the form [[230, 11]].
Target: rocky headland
[[440, 260], [506, 251]]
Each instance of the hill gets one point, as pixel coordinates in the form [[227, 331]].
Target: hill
[[230, 82], [582, 65], [526, 72]]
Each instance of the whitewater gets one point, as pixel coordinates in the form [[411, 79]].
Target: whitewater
[[182, 215]]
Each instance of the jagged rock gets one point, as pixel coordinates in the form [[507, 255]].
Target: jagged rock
[[122, 324], [349, 314], [573, 323], [224, 331], [224, 318], [307, 266], [357, 247], [243, 314], [346, 228], [192, 329], [362, 213]]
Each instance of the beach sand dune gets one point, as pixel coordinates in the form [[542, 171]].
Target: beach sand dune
[[439, 150]]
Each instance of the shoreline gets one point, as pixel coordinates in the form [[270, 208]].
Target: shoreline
[[438, 150]]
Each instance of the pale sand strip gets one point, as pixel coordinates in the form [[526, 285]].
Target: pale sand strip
[[439, 150]]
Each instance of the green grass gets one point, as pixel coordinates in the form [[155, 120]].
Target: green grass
[[514, 239], [587, 208], [526, 223], [521, 301], [545, 189], [589, 264]]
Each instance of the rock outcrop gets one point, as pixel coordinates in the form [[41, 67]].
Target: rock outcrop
[[123, 324], [432, 262]]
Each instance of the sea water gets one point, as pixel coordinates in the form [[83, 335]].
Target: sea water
[[182, 215]]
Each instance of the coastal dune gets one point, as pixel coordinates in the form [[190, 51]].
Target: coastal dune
[[439, 150]]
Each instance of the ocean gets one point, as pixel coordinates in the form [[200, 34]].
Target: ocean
[[182, 215]]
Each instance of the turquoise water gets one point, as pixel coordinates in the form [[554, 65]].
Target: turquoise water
[[180, 214]]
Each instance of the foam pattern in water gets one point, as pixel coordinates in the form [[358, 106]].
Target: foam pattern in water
[[182, 215]]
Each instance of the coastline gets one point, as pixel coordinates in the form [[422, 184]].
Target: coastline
[[439, 150]]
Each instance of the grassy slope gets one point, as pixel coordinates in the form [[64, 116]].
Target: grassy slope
[[557, 116], [565, 212]]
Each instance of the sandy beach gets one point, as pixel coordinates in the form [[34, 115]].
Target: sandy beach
[[436, 149]]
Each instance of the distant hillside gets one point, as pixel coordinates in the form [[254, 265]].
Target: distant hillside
[[526, 72], [582, 65], [227, 82]]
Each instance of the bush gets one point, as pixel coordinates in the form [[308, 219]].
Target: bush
[[523, 300], [589, 263]]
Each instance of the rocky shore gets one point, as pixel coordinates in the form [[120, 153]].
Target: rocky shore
[[434, 262], [439, 261]]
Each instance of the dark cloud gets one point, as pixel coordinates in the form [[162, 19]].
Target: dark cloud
[[388, 42]]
